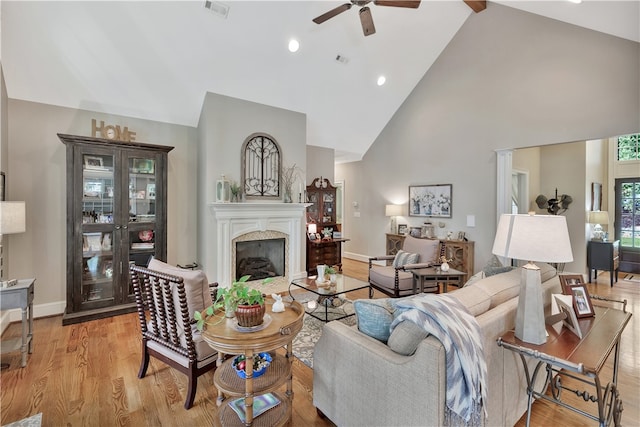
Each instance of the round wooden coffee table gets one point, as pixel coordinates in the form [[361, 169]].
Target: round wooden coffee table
[[227, 338]]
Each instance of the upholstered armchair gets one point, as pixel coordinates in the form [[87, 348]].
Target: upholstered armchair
[[166, 301], [396, 280]]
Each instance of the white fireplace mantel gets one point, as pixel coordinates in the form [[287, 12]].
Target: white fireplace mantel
[[236, 219]]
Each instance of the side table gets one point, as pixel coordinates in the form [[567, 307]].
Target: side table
[[603, 256], [582, 359], [226, 338], [432, 276], [20, 296]]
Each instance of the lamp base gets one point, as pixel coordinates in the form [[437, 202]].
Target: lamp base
[[530, 322]]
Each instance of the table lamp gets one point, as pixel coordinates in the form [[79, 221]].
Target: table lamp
[[393, 211], [543, 238], [12, 221], [597, 218]]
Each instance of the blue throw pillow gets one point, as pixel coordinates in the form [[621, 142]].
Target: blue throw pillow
[[374, 317], [403, 258]]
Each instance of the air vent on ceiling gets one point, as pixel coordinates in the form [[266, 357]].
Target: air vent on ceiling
[[218, 8], [342, 59]]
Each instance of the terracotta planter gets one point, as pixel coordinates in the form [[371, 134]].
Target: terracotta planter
[[250, 315]]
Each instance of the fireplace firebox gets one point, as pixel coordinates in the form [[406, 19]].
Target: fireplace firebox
[[260, 258]]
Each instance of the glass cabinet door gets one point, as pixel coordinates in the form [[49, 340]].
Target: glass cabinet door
[[98, 207], [142, 198]]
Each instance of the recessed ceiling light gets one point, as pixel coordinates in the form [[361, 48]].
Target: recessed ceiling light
[[576, 1], [293, 45], [381, 80]]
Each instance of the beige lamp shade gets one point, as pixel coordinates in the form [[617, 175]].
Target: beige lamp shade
[[543, 238], [12, 217], [393, 210], [599, 217]]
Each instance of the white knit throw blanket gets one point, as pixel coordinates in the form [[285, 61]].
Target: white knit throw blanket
[[448, 320]]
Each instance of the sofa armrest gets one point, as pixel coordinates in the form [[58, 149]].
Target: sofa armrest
[[357, 380]]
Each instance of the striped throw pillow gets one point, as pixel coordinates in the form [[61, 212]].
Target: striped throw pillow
[[403, 258]]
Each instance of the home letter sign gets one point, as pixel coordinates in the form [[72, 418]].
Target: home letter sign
[[112, 132]]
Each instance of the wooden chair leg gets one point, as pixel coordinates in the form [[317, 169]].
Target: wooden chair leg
[[144, 364], [191, 390]]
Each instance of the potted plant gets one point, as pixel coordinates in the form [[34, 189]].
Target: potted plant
[[247, 304], [331, 272]]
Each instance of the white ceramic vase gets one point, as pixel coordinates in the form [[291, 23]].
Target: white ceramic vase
[[444, 266]]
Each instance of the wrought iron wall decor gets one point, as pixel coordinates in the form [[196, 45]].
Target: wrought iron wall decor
[[556, 205], [261, 167]]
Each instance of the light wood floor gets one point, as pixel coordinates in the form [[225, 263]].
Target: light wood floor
[[86, 375]]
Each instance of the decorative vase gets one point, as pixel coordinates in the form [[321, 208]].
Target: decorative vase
[[287, 196], [444, 266], [250, 315]]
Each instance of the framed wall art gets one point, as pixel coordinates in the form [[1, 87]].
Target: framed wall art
[[596, 196], [430, 200]]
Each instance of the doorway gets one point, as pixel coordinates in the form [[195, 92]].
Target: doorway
[[627, 223]]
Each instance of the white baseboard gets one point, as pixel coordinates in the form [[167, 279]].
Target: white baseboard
[[40, 310], [362, 258]]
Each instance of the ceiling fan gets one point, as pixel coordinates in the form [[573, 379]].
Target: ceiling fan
[[365, 13]]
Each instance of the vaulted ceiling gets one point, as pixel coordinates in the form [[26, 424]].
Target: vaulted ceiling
[[156, 60]]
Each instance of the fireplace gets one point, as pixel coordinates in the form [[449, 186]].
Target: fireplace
[[260, 259], [241, 222]]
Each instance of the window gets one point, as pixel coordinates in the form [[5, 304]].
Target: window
[[261, 171], [629, 147], [629, 208]]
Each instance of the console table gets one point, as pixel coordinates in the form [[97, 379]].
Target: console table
[[225, 338], [20, 296], [582, 359]]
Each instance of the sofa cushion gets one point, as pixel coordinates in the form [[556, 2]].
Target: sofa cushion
[[474, 298], [374, 317], [195, 282], [406, 337], [428, 249], [500, 287], [547, 271], [403, 258], [385, 276]]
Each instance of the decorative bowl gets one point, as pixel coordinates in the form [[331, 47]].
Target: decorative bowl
[[260, 364]]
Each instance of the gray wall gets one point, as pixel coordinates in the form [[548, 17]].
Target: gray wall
[[38, 173], [320, 163], [224, 125], [508, 79]]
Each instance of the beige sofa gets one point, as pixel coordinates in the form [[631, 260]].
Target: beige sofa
[[358, 380]]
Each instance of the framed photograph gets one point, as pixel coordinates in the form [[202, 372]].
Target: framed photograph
[[93, 162], [596, 196], [402, 228], [568, 280], [571, 321], [461, 235], [314, 236], [581, 301], [430, 200], [151, 191], [143, 166], [415, 231]]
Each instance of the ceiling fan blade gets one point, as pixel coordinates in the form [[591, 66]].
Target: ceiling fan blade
[[333, 12], [367, 21], [398, 3]]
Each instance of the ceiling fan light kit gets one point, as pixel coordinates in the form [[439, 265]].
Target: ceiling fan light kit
[[366, 19]]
